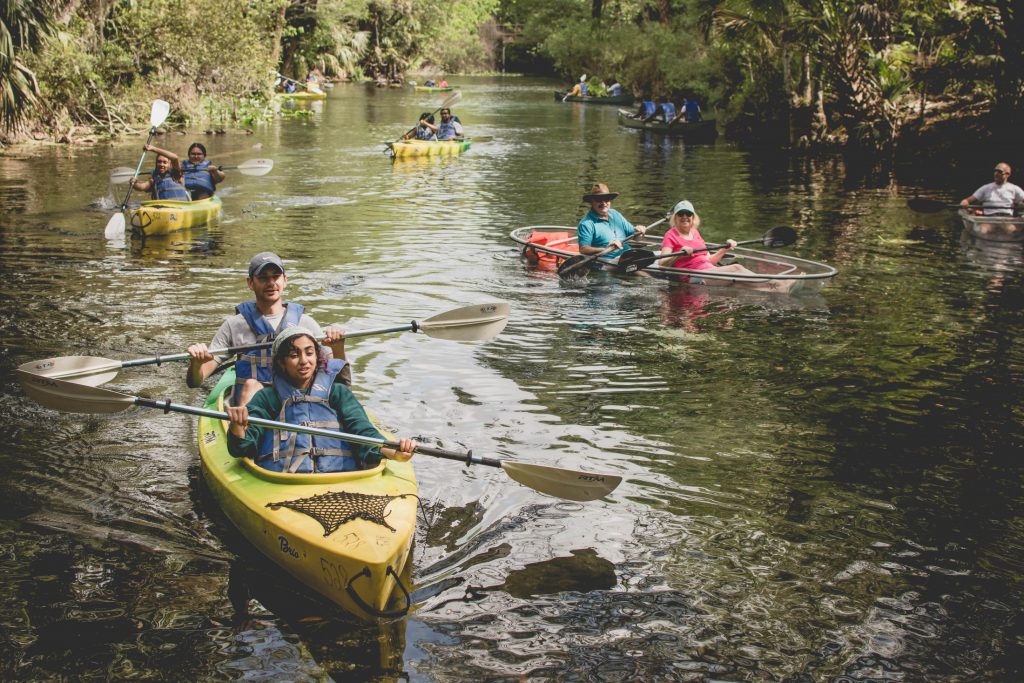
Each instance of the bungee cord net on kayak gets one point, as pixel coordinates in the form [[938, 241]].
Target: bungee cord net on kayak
[[340, 507]]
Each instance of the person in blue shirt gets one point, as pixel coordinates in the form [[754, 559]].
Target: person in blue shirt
[[689, 112], [665, 110], [647, 108], [603, 226]]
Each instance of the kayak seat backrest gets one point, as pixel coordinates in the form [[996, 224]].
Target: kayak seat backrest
[[556, 240]]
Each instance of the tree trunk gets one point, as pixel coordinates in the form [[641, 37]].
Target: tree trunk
[[595, 9], [275, 53]]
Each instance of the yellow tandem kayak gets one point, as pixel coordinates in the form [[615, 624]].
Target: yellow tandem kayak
[[301, 95], [421, 148], [160, 216], [347, 535]]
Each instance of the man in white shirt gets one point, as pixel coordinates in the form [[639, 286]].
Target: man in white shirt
[[998, 198]]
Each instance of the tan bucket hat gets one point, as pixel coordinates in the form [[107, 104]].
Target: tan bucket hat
[[598, 192]]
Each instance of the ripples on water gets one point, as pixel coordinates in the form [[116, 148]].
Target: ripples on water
[[816, 488]]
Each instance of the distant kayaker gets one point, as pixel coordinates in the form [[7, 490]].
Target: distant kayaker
[[603, 226], [665, 110], [201, 176], [448, 129], [259, 321], [580, 89], [647, 108], [424, 129], [689, 112], [165, 181], [998, 198], [684, 236], [304, 393], [442, 83], [615, 89]]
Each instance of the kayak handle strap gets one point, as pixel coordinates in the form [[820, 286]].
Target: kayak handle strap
[[370, 609]]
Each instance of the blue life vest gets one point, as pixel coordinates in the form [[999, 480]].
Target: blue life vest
[[282, 451], [446, 131], [261, 359], [647, 109], [424, 133], [196, 176], [692, 110], [616, 90], [583, 89], [668, 110], [166, 187]]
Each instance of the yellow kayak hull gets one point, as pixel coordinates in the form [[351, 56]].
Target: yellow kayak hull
[[428, 148], [301, 95], [357, 565], [162, 217]]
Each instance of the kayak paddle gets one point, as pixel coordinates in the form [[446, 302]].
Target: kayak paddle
[[254, 167], [554, 481], [574, 264], [157, 115], [638, 259], [922, 205], [304, 85], [468, 323]]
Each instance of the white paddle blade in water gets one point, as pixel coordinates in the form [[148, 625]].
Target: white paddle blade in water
[[562, 483], [85, 370], [70, 397], [115, 227]]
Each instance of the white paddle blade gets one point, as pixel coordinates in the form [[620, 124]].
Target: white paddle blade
[[121, 174], [469, 323], [455, 97], [115, 227], [256, 167], [158, 114], [70, 397], [561, 483], [85, 370]]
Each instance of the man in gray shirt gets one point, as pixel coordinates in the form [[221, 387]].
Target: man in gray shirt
[[259, 321]]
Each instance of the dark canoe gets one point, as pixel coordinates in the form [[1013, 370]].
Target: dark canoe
[[621, 99], [701, 130]]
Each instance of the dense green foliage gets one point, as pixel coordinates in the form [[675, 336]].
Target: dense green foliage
[[795, 72], [799, 70], [23, 26]]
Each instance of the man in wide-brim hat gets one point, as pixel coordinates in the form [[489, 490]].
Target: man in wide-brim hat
[[603, 226]]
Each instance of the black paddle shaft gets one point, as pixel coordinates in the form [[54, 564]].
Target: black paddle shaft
[[570, 265]]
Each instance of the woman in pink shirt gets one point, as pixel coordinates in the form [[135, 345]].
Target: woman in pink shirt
[[684, 236]]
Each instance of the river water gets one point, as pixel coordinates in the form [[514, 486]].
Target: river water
[[817, 487]]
